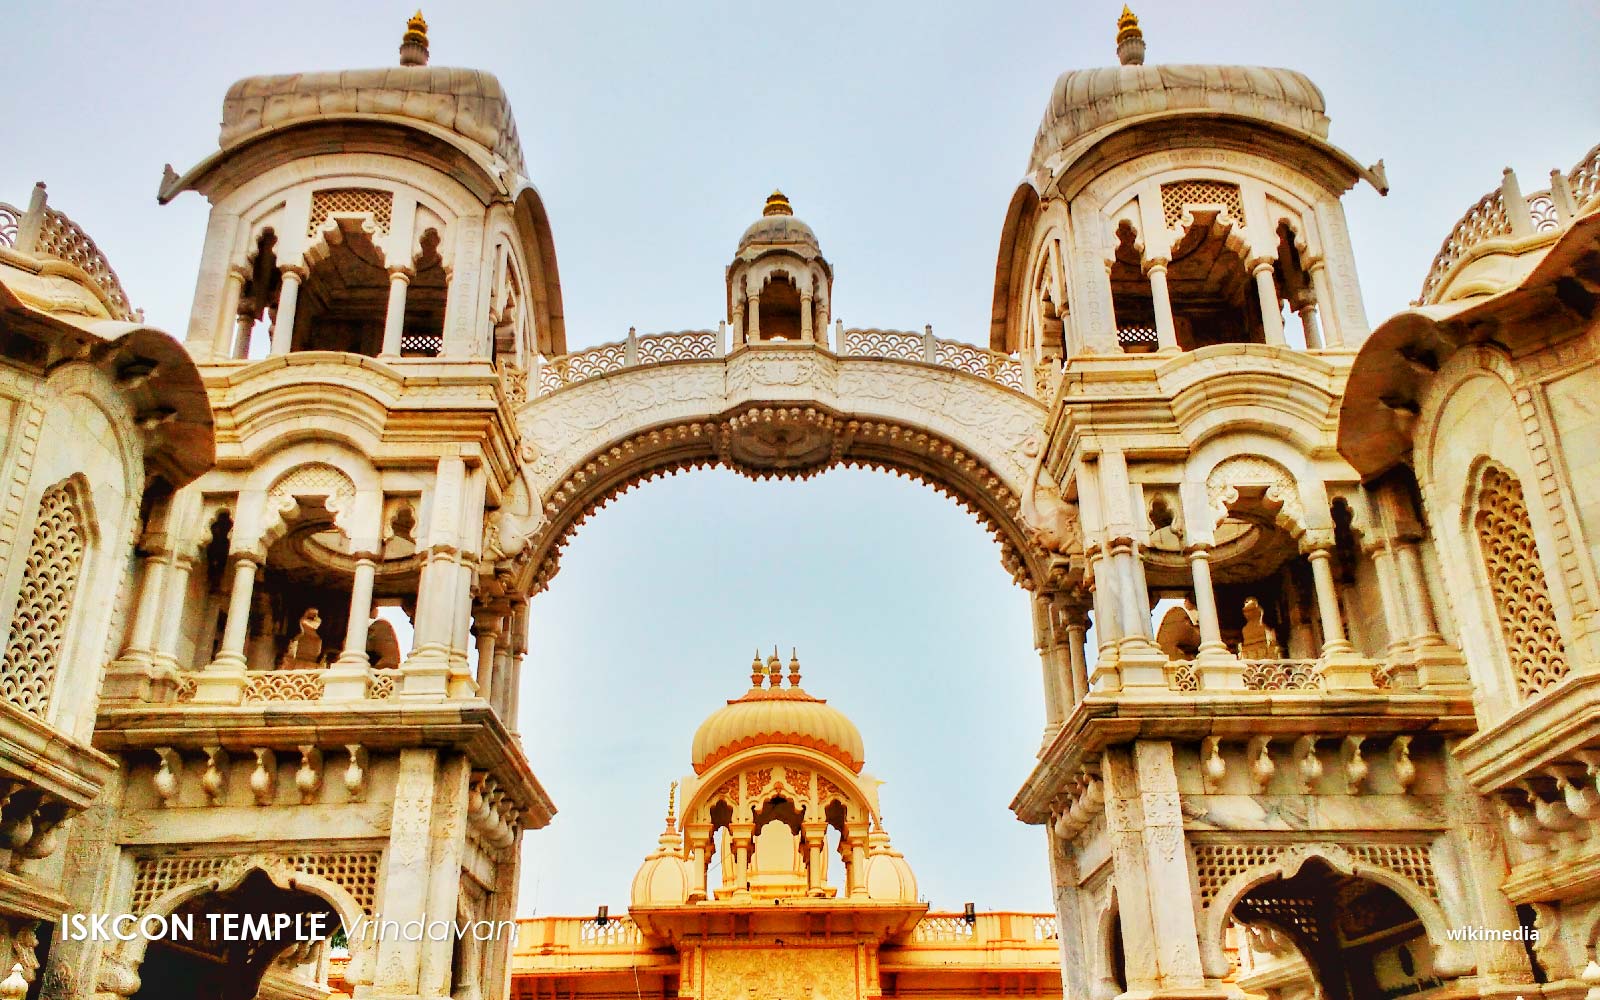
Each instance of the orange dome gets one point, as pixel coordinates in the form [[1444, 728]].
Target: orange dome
[[777, 716]]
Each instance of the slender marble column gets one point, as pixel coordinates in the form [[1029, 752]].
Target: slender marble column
[[227, 323], [1414, 585], [1205, 601], [283, 319], [1161, 299], [394, 319], [237, 625], [1267, 291], [1333, 637]]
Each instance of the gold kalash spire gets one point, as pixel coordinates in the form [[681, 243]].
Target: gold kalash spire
[[1130, 40], [777, 204], [414, 43]]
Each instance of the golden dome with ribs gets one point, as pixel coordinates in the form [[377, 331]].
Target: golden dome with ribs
[[777, 716]]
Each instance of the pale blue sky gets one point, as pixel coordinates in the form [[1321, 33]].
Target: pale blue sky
[[899, 130]]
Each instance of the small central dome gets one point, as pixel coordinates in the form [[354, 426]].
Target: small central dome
[[777, 716], [778, 227]]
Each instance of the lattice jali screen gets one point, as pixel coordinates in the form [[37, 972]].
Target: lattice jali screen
[[1215, 864], [1516, 581], [340, 201], [1410, 861], [1179, 195], [356, 872], [44, 602], [314, 479]]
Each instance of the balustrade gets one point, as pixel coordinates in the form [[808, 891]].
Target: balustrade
[[636, 351]]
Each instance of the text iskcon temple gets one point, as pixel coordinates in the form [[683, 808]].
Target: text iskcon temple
[[1336, 736]]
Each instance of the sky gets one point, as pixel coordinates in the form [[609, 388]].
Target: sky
[[899, 131]]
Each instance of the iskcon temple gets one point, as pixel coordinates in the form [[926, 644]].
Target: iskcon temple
[[1316, 602]]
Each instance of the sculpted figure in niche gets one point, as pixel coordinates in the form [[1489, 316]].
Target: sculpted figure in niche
[[1258, 641], [383, 646], [1179, 634], [305, 649]]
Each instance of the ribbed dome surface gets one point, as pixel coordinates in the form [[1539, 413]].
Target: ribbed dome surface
[[1084, 100], [777, 716], [779, 230]]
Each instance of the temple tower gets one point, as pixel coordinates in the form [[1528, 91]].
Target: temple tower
[[314, 703], [1179, 252]]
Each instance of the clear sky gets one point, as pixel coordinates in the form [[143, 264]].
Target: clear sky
[[899, 130]]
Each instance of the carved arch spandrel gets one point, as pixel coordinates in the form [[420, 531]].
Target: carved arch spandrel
[[964, 436]]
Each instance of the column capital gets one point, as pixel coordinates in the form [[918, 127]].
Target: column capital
[[240, 272], [1154, 264], [1195, 550], [1317, 540], [297, 271], [1256, 265], [402, 272], [252, 556]]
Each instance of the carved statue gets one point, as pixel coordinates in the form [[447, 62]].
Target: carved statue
[[383, 646], [305, 649], [1179, 634], [510, 530], [1258, 641], [1050, 521]]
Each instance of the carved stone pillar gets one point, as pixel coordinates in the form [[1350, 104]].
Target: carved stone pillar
[[394, 318], [753, 316], [1333, 637], [805, 319], [176, 591], [1161, 299], [283, 316], [1419, 601], [1216, 668], [228, 320], [486, 627], [1108, 630], [1072, 617], [1267, 291], [222, 681], [1044, 643]]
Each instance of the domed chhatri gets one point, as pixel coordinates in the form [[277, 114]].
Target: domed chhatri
[[777, 791], [776, 715], [778, 226]]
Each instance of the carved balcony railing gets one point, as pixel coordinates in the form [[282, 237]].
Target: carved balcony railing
[[986, 930], [1493, 217], [1275, 675], [263, 686], [704, 345], [42, 231]]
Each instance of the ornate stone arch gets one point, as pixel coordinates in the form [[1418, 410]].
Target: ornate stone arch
[[347, 481], [1451, 958], [119, 969], [1107, 924]]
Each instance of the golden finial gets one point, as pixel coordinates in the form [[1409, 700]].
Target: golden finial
[[794, 667], [777, 204], [672, 803], [757, 671], [774, 669], [414, 43], [1130, 40]]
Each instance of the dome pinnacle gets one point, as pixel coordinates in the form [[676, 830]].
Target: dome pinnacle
[[777, 204], [1130, 40], [414, 43]]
